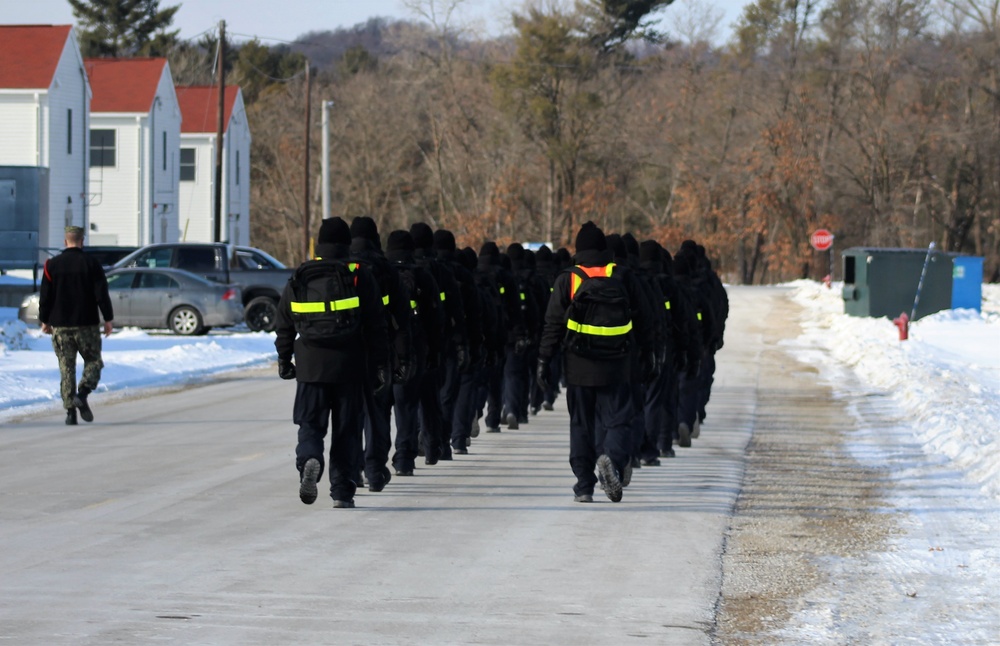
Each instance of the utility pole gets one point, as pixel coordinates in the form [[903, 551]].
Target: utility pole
[[305, 174], [221, 77], [326, 158]]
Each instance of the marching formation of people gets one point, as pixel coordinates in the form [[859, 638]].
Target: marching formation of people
[[450, 342]]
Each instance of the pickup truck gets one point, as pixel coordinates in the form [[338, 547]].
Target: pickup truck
[[260, 277]]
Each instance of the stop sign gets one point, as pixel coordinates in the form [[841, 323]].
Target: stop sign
[[821, 239]]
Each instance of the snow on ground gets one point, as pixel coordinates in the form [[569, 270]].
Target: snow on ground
[[928, 417]]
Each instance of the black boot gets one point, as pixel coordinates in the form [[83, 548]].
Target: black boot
[[80, 401], [71, 417]]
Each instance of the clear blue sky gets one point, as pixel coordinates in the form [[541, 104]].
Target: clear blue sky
[[288, 19]]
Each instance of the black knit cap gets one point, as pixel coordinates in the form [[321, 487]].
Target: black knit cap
[[631, 244], [682, 265], [544, 254], [365, 227], [617, 246], [489, 248], [516, 252], [423, 236], [563, 257], [399, 240], [650, 251], [444, 240], [334, 231], [590, 238], [467, 258]]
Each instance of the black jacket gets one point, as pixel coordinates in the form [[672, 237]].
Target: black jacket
[[74, 291], [398, 315], [429, 308], [327, 365], [586, 372]]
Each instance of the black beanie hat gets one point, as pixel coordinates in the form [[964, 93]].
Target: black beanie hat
[[444, 240], [563, 257], [399, 240], [682, 265], [365, 227], [631, 244], [334, 231], [423, 236], [590, 238], [489, 248], [650, 251], [617, 246], [515, 252], [544, 254], [467, 258]]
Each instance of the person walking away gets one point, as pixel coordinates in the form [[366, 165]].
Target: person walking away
[[71, 302], [595, 313], [331, 322]]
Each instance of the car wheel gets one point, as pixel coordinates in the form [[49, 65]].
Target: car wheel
[[185, 321], [261, 314]]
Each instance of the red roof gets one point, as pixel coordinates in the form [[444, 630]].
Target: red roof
[[124, 84], [200, 107], [29, 55]]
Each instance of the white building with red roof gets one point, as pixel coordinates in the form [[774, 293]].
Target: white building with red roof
[[199, 127], [135, 129], [45, 100]]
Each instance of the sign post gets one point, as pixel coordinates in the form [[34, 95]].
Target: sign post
[[821, 240]]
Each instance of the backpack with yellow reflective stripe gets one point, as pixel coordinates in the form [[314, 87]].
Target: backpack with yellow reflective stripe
[[325, 306], [599, 317]]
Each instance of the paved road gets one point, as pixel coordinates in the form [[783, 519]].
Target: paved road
[[175, 518]]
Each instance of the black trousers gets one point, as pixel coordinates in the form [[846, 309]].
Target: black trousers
[[707, 378], [451, 382], [515, 383], [670, 393], [406, 406], [655, 413], [466, 406], [430, 420], [378, 433], [494, 393], [316, 405], [599, 424]]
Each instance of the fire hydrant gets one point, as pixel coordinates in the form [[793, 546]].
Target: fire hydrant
[[828, 281], [903, 323]]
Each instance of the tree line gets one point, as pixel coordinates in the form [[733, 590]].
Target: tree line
[[876, 119]]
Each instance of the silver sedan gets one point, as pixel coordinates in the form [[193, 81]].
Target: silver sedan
[[160, 298]]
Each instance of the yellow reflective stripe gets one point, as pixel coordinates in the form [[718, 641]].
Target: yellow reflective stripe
[[522, 296], [353, 266], [598, 330], [443, 296], [345, 304], [413, 305], [610, 269], [308, 308], [666, 304], [385, 299], [699, 316], [502, 290], [552, 289]]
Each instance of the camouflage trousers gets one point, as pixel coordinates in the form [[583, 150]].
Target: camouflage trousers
[[67, 343]]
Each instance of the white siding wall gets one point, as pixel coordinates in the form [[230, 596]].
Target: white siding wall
[[115, 209], [19, 128], [238, 186], [196, 196], [167, 118]]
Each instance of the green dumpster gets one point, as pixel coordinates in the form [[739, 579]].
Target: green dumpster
[[883, 282]]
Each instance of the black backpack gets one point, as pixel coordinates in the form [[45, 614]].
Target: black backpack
[[599, 317], [326, 309]]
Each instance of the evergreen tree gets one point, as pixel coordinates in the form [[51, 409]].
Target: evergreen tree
[[124, 28]]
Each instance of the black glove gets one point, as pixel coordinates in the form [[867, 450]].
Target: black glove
[[286, 369], [404, 372], [381, 378], [543, 373], [462, 356]]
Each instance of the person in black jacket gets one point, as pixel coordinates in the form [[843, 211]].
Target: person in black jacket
[[72, 300], [598, 390], [366, 249], [522, 354], [334, 337], [416, 401]]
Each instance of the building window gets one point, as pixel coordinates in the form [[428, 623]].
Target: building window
[[187, 164], [102, 148], [164, 150], [69, 131], [237, 168]]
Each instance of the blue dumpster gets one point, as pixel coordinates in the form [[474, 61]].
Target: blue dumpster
[[967, 283]]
